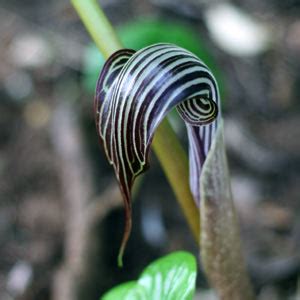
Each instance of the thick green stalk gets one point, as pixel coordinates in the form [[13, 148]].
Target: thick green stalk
[[97, 26], [174, 162], [166, 145]]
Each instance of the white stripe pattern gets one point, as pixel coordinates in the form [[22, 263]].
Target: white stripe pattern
[[136, 90]]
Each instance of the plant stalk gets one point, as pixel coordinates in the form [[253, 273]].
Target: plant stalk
[[166, 145], [174, 162]]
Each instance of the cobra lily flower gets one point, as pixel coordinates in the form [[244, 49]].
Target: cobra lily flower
[[134, 92]]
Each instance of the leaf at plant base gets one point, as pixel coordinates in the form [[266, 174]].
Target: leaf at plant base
[[172, 277], [221, 253], [127, 291]]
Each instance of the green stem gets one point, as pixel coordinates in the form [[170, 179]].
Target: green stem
[[165, 143], [97, 26], [174, 162]]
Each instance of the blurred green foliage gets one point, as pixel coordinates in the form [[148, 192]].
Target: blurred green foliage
[[143, 32]]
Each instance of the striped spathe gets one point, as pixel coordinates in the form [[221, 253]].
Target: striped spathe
[[135, 91]]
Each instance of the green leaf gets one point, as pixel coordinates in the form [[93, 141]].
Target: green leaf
[[172, 277], [127, 291]]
